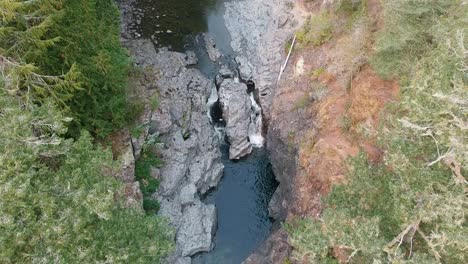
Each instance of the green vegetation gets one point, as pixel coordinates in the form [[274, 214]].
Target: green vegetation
[[57, 198], [302, 102], [411, 208], [63, 82], [316, 31], [148, 184], [78, 43]]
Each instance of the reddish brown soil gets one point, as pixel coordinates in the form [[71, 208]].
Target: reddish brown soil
[[329, 130]]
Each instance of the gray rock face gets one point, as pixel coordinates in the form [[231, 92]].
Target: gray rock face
[[210, 46], [258, 31], [197, 226], [191, 58], [190, 151], [236, 107], [225, 72], [245, 69], [189, 146]]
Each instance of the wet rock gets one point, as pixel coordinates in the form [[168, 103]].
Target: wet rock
[[236, 107], [191, 58], [206, 172], [245, 69], [211, 49], [218, 80], [226, 73], [258, 31], [198, 224]]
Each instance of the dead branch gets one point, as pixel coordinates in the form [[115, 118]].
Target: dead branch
[[433, 250]]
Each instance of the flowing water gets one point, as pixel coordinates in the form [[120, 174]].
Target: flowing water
[[243, 194]]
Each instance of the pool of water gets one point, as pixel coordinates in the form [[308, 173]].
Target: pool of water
[[247, 186], [242, 201]]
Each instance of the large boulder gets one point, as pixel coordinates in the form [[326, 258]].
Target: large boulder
[[245, 68], [197, 226], [210, 47], [236, 106]]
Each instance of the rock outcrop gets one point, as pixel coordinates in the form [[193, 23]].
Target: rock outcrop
[[187, 142], [236, 107], [259, 30], [210, 46]]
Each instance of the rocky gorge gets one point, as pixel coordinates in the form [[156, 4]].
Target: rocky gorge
[[188, 134]]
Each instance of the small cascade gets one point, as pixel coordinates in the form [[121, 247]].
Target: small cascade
[[220, 132], [213, 99], [255, 129]]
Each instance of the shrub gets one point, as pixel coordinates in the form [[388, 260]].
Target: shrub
[[412, 207], [317, 30], [79, 41], [57, 198]]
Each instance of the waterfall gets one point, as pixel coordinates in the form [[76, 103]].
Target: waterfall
[[255, 128], [211, 101]]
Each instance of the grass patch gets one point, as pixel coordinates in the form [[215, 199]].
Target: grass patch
[[303, 101], [317, 30]]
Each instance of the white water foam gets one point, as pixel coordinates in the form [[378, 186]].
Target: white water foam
[[255, 129], [211, 101]]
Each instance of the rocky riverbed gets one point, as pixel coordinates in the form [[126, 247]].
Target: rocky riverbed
[[188, 143]]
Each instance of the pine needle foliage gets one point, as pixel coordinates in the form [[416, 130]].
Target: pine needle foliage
[[412, 207], [57, 203], [77, 39]]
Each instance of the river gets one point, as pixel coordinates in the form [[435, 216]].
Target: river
[[247, 186]]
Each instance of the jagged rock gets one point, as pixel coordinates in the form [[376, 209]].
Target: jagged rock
[[210, 46], [185, 260], [155, 173], [226, 73], [245, 69], [188, 145], [197, 226], [188, 194], [236, 107], [191, 58], [177, 159], [218, 80], [206, 172], [127, 171], [258, 32]]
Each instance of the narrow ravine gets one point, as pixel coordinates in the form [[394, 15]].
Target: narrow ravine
[[242, 197]]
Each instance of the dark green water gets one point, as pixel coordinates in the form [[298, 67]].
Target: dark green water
[[247, 186]]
